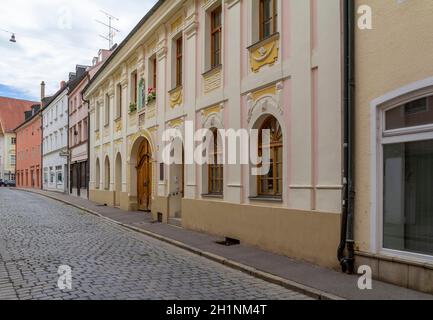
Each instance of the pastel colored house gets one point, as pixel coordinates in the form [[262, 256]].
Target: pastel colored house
[[78, 129], [11, 116], [394, 143], [223, 64], [55, 140], [29, 156]]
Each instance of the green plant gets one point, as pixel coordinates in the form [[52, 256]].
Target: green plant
[[132, 107]]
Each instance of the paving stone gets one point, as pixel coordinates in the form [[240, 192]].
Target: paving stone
[[108, 262]]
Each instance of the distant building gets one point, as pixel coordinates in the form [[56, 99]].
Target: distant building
[[28, 149], [11, 116], [78, 128], [55, 140]]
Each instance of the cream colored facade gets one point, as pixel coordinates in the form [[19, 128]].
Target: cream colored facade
[[393, 66], [8, 156], [294, 76]]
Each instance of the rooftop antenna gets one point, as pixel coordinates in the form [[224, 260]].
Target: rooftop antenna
[[111, 30]]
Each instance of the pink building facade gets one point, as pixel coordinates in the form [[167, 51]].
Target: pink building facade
[[79, 128], [28, 150]]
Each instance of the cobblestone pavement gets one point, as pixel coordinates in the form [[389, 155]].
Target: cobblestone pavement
[[38, 235]]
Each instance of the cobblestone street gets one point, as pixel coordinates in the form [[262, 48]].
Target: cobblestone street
[[38, 235]]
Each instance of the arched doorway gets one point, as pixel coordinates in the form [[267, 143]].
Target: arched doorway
[[118, 180], [144, 176]]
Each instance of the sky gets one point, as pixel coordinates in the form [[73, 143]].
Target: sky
[[53, 36]]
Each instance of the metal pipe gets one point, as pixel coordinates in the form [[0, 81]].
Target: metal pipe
[[346, 250]]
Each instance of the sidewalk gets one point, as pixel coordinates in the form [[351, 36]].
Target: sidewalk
[[318, 282]]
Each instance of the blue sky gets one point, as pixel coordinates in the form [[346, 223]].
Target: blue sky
[[53, 36], [10, 92]]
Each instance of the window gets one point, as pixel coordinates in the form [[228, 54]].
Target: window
[[98, 117], [119, 102], [268, 18], [13, 141], [215, 167], [179, 61], [216, 34], [45, 175], [134, 91], [52, 175], [107, 110], [407, 177], [154, 75], [271, 184], [13, 160], [59, 174]]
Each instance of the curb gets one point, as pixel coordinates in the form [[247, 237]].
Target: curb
[[285, 283]]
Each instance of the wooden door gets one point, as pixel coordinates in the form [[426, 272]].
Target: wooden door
[[144, 177]]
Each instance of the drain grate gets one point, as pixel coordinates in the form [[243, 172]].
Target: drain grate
[[228, 242]]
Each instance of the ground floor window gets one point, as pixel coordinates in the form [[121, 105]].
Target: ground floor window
[[59, 174], [407, 152]]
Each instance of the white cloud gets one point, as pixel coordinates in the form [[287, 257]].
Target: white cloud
[[55, 35]]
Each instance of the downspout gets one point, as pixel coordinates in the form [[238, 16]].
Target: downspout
[[346, 250], [88, 138]]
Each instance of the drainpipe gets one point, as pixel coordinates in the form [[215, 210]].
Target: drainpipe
[[346, 250], [88, 138]]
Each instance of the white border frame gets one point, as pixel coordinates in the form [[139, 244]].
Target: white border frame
[[388, 101]]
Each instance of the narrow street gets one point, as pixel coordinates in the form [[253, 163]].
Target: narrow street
[[38, 235]]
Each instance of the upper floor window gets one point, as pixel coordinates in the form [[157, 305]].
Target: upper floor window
[[13, 141], [97, 117], [154, 72], [119, 101], [107, 110], [134, 89], [179, 61], [268, 18], [216, 36]]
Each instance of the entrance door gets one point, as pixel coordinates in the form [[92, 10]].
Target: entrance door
[[144, 177]]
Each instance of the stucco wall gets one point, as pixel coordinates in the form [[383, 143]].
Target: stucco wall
[[397, 52]]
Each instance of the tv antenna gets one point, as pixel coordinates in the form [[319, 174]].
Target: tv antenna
[[111, 30]]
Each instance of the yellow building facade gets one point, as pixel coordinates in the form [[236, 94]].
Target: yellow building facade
[[394, 134]]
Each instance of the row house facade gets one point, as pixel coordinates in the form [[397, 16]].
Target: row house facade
[[394, 144], [11, 116], [29, 156], [55, 141], [227, 64], [79, 128]]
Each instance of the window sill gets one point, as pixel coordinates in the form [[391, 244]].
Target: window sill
[[179, 87], [264, 41], [213, 69], [213, 196], [267, 199]]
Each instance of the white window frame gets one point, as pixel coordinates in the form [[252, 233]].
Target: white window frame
[[381, 137]]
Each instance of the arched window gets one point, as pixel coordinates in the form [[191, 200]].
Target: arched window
[[216, 167], [107, 174], [272, 183], [97, 175]]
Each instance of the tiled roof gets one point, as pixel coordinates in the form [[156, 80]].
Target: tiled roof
[[12, 113]]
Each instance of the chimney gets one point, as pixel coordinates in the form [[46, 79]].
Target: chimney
[[42, 90], [95, 61], [62, 84]]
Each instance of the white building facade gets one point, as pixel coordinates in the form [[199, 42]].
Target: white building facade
[[55, 142]]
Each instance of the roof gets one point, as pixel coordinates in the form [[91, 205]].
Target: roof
[[29, 120], [12, 112], [125, 41]]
